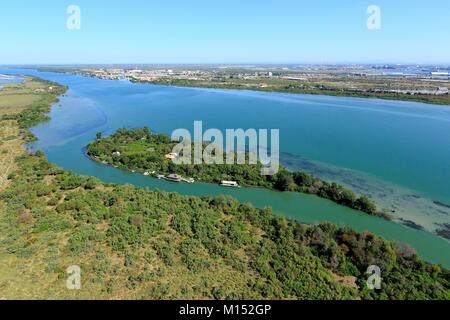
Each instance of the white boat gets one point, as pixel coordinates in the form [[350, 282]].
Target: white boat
[[174, 178], [233, 184]]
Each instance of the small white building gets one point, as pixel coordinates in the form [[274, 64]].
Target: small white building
[[171, 156], [442, 91], [440, 75]]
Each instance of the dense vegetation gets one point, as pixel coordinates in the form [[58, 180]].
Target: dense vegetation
[[136, 243], [133, 242], [143, 151]]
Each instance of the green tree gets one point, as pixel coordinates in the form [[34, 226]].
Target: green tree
[[284, 181]]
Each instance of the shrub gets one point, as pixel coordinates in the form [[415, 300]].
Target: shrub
[[25, 217], [137, 220]]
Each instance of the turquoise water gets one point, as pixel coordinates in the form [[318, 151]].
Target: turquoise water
[[395, 151]]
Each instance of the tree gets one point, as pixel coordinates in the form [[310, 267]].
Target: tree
[[366, 205], [285, 182], [303, 179]]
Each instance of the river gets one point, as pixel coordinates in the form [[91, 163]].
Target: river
[[397, 152]]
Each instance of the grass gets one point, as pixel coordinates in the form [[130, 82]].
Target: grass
[[19, 277], [15, 279], [14, 97], [11, 101]]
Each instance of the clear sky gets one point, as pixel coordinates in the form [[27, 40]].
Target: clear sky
[[224, 31]]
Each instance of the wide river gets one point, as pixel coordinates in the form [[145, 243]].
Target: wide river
[[396, 152]]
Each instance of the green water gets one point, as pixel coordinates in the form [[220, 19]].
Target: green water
[[381, 147]]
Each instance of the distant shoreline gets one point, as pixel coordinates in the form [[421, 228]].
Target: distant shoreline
[[363, 87], [406, 98]]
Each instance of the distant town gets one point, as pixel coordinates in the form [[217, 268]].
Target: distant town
[[430, 84]]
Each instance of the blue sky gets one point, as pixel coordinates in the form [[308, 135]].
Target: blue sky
[[226, 31]]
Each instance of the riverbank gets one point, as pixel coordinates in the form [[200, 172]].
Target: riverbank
[[284, 87], [142, 244], [328, 83]]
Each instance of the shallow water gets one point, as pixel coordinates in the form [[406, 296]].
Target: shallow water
[[6, 79]]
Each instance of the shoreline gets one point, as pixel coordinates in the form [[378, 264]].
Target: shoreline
[[318, 92], [327, 93]]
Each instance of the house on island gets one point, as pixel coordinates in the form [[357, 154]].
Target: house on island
[[171, 155]]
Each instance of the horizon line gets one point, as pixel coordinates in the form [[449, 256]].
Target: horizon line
[[447, 64]]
